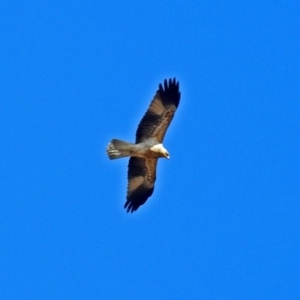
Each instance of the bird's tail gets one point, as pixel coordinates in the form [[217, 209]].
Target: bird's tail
[[118, 149]]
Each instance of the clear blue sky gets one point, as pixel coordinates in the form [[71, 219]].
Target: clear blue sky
[[224, 219]]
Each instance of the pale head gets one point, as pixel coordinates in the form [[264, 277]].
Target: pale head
[[161, 150]]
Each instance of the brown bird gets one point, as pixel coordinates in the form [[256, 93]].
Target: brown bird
[[148, 145]]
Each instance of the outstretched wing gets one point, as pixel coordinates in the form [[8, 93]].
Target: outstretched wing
[[141, 179], [160, 113]]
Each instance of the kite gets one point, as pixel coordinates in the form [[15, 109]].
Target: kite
[[148, 147]]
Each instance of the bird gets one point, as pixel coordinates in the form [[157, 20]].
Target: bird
[[148, 147]]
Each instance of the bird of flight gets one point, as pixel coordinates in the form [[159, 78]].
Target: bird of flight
[[148, 146]]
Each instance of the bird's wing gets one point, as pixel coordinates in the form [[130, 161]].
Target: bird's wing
[[160, 113], [141, 179]]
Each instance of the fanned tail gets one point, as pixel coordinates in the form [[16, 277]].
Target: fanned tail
[[118, 149]]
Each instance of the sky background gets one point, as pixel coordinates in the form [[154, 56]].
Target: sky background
[[224, 218]]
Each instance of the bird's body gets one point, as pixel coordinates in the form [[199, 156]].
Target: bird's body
[[148, 147]]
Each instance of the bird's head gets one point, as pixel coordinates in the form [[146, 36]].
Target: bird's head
[[161, 150], [166, 154]]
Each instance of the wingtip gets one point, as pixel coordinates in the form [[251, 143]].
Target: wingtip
[[138, 198], [130, 207], [169, 83], [169, 90]]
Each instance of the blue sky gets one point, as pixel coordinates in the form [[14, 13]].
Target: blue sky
[[224, 219]]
